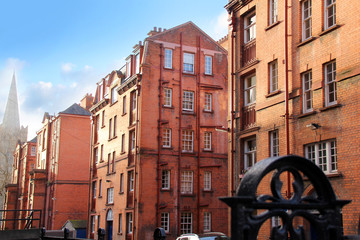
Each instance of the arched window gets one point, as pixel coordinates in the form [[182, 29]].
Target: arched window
[[109, 215]]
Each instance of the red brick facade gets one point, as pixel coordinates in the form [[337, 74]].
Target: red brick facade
[[323, 73], [158, 160]]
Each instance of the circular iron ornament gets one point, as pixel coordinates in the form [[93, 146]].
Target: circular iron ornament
[[322, 210]]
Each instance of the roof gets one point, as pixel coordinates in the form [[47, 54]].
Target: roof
[[75, 109], [77, 223], [33, 140]]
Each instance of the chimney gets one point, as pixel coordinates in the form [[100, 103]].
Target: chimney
[[87, 101]]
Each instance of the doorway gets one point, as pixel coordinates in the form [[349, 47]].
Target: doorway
[[109, 225]]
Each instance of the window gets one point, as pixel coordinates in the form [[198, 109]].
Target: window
[[187, 182], [330, 84], [207, 181], [330, 13], [165, 221], [123, 143], [323, 154], [98, 221], [95, 155], [120, 223], [165, 180], [208, 102], [132, 140], [273, 15], [188, 63], [92, 224], [167, 97], [33, 151], [110, 196], [132, 107], [250, 27], [121, 183], [129, 222], [114, 132], [274, 143], [188, 101], [109, 163], [306, 14], [275, 221], [187, 140], [131, 181], [113, 162], [128, 67], [207, 221], [207, 141], [166, 138], [250, 153], [110, 127], [100, 188], [186, 223], [94, 189], [307, 91], [208, 65], [113, 95], [124, 105], [102, 153], [168, 58], [250, 90], [103, 118], [137, 63], [273, 76]]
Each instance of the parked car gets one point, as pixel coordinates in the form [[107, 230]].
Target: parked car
[[204, 236]]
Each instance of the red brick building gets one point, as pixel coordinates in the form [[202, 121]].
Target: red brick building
[[59, 183], [158, 160], [17, 191], [295, 74]]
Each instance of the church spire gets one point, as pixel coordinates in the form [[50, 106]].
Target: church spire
[[11, 118]]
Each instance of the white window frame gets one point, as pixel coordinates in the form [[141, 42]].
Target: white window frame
[[187, 140], [128, 67], [165, 221], [330, 83], [100, 187], [165, 180], [249, 28], [130, 222], [306, 19], [207, 221], [273, 11], [167, 97], [208, 64], [92, 224], [323, 154], [168, 58], [166, 138], [33, 151], [121, 182], [124, 105], [249, 91], [123, 143], [207, 181], [208, 102], [113, 95], [187, 180], [273, 75], [188, 101], [207, 141], [329, 12], [274, 143], [131, 181], [188, 62], [186, 222], [120, 224], [249, 153], [137, 63], [307, 91], [132, 140], [275, 221], [96, 155], [110, 196], [94, 189]]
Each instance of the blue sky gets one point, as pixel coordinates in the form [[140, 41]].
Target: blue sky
[[59, 49]]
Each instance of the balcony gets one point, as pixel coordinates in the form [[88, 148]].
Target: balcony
[[248, 117], [248, 53]]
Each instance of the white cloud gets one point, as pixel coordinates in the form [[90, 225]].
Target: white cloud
[[220, 27], [67, 67]]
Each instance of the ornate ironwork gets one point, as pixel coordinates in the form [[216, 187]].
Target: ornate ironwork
[[322, 210]]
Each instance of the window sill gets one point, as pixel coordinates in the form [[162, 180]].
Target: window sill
[[164, 106], [110, 139], [272, 25], [207, 111], [189, 73], [330, 29], [187, 195], [208, 191], [165, 190], [306, 114], [99, 196], [123, 114], [209, 74], [119, 234], [333, 175], [113, 103], [306, 41], [273, 93], [102, 126], [208, 150], [122, 153], [167, 148], [170, 69], [109, 204], [188, 113], [330, 107], [121, 193], [111, 173]]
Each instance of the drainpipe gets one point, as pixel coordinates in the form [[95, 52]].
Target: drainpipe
[[232, 96], [47, 170], [198, 133], [90, 178], [158, 174], [179, 147], [18, 187], [288, 194]]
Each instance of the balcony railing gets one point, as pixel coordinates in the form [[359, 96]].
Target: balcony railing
[[248, 117], [248, 53]]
